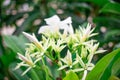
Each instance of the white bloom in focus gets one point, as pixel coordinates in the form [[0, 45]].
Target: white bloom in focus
[[34, 40], [68, 61], [54, 25], [86, 33], [92, 48]]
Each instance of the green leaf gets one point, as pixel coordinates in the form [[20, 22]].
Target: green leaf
[[112, 35], [111, 8], [17, 44], [17, 73], [109, 22], [99, 2], [114, 78], [6, 59], [116, 68], [71, 76], [34, 75], [103, 68]]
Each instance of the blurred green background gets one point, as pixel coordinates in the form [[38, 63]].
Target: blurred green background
[[17, 16]]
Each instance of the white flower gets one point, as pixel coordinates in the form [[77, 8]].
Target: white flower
[[57, 46], [79, 59], [68, 61], [92, 48], [34, 40], [26, 61], [54, 25], [86, 33]]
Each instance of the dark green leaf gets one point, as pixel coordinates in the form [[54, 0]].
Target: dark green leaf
[[6, 59], [102, 70], [109, 22], [116, 68], [112, 35], [98, 2], [111, 8]]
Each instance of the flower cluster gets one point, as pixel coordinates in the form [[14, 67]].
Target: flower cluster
[[56, 36]]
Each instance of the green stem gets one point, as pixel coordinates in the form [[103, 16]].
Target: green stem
[[47, 75], [34, 75], [58, 55]]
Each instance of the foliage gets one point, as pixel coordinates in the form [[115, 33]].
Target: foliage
[[28, 15], [103, 71]]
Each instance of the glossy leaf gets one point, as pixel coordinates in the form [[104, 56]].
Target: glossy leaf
[[111, 8], [102, 70], [7, 59], [116, 68], [17, 44], [17, 73], [71, 76]]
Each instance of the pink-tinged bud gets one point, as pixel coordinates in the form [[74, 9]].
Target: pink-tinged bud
[[23, 58], [33, 39]]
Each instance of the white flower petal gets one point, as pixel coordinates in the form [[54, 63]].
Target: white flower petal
[[63, 60], [90, 68], [34, 40], [43, 29], [30, 37], [54, 24], [78, 70], [52, 20], [26, 71], [62, 67], [67, 21], [100, 51], [84, 75], [78, 58]]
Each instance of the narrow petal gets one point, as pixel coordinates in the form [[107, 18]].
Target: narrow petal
[[63, 60], [30, 37], [23, 58], [34, 40], [84, 75], [26, 71], [62, 67], [80, 60], [90, 68], [75, 62], [19, 65], [100, 51], [94, 34], [78, 70], [68, 58]]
